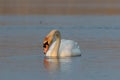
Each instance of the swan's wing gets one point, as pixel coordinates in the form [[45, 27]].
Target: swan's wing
[[69, 48], [76, 49]]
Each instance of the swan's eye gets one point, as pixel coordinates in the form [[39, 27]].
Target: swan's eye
[[45, 44]]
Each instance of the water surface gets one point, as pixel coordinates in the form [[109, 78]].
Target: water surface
[[21, 56]]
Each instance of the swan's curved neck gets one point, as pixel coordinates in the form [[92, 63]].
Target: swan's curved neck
[[56, 34]]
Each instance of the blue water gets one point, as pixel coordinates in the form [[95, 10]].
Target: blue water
[[21, 56]]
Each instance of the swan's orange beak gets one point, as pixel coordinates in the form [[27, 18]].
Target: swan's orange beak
[[45, 47], [46, 44]]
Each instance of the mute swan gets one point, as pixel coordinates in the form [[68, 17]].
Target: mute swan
[[61, 47]]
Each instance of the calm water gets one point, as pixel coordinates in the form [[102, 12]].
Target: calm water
[[21, 56]]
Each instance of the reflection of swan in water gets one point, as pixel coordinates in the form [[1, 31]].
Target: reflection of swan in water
[[60, 48], [57, 64]]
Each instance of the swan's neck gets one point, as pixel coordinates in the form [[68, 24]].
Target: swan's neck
[[55, 51]]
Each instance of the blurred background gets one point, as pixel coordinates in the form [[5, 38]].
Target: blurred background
[[94, 24], [64, 7]]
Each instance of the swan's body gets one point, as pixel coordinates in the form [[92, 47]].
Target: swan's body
[[61, 47], [67, 48]]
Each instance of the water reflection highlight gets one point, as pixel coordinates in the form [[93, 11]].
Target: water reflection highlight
[[57, 64]]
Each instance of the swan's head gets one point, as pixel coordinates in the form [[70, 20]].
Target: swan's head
[[46, 44], [49, 39]]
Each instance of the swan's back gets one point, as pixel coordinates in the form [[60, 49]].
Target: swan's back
[[67, 48]]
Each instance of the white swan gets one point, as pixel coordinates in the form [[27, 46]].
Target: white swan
[[59, 48]]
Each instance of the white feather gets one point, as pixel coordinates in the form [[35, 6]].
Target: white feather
[[67, 48]]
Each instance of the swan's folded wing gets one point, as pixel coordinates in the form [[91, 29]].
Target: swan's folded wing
[[69, 48]]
